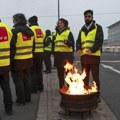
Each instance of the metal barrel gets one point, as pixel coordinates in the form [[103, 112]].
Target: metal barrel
[[79, 103]]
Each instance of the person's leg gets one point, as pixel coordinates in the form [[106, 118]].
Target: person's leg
[[54, 63], [40, 74], [60, 62], [60, 72], [49, 62], [18, 80], [95, 74], [34, 81], [45, 61], [7, 96], [87, 71], [27, 85]]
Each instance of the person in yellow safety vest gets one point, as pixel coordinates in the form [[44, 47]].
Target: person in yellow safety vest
[[89, 46], [39, 34], [63, 44], [47, 51], [5, 39], [22, 46]]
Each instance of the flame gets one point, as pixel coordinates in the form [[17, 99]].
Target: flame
[[75, 81]]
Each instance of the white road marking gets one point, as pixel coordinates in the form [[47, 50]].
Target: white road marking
[[111, 61], [111, 68]]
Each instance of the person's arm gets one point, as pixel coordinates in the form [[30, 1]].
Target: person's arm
[[78, 42], [47, 42], [33, 49], [13, 47], [53, 43], [98, 39], [70, 41]]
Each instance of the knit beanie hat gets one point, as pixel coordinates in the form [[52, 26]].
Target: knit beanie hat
[[64, 21], [33, 19], [20, 18], [48, 32]]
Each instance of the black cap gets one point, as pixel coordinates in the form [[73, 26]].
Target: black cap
[[48, 32], [33, 19]]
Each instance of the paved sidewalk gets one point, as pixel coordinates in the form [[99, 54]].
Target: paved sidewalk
[[49, 108]]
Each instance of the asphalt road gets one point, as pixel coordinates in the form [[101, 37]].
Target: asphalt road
[[110, 81]]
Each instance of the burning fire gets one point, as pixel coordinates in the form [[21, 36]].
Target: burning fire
[[75, 81]]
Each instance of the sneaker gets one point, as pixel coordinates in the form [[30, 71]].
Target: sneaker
[[34, 92], [9, 112], [41, 89], [20, 104], [28, 101], [45, 71], [99, 100]]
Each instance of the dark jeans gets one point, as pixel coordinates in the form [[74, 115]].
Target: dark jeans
[[22, 81], [94, 68], [7, 96], [60, 72], [37, 76], [61, 59], [47, 60]]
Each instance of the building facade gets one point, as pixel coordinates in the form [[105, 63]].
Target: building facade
[[112, 43], [114, 34]]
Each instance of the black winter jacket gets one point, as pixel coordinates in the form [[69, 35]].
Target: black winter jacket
[[97, 45], [18, 65]]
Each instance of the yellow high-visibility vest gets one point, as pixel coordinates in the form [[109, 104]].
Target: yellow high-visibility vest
[[88, 41], [24, 46], [49, 47], [39, 38], [5, 38], [59, 42]]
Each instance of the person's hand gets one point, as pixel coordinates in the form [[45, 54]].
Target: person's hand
[[78, 52], [65, 42], [88, 52]]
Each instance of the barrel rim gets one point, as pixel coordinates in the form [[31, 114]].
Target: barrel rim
[[65, 89]]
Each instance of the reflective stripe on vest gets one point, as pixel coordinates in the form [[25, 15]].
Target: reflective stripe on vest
[[5, 38], [49, 47], [88, 41], [59, 42], [24, 47], [39, 38]]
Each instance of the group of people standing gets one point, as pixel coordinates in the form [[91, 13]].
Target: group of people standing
[[88, 46], [23, 49], [21, 52]]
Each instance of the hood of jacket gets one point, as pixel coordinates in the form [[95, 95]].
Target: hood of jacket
[[22, 28]]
